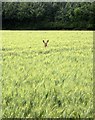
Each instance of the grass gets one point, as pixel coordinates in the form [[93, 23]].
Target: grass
[[47, 82]]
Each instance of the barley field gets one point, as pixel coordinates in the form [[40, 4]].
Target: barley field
[[47, 82]]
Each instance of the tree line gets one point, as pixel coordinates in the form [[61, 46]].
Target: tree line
[[48, 15]]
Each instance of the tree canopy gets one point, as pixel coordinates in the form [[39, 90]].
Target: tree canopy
[[48, 15]]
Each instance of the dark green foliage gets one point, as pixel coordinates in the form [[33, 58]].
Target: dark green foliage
[[48, 15]]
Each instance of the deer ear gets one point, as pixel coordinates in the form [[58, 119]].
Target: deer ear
[[43, 41], [47, 41]]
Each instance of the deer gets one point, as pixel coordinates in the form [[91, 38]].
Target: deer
[[45, 43]]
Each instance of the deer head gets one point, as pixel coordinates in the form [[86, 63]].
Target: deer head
[[45, 43]]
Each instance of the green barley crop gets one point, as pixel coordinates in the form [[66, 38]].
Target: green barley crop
[[50, 82]]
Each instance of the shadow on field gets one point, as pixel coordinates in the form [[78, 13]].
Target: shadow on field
[[6, 49], [32, 53], [10, 49], [23, 52], [55, 50]]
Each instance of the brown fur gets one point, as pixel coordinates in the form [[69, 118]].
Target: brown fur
[[45, 43]]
